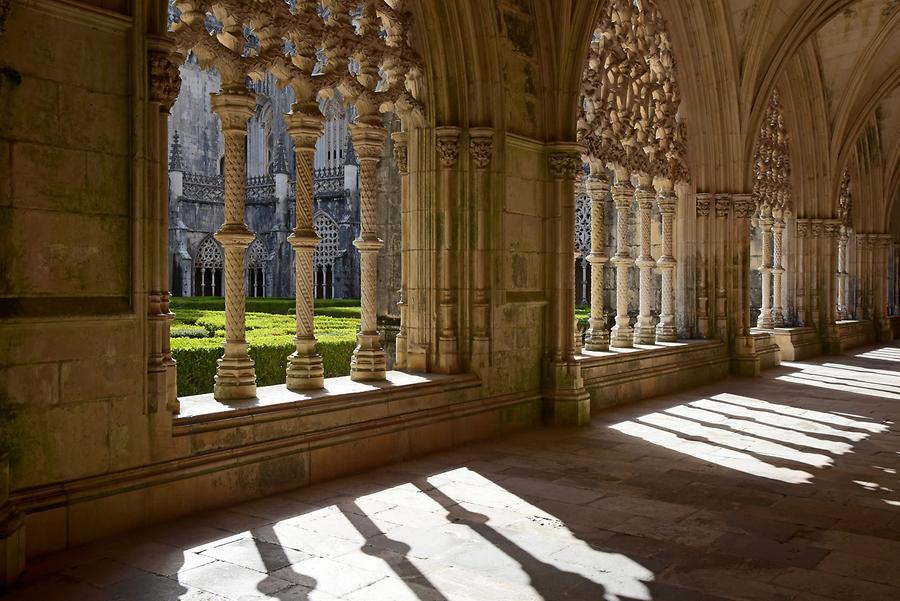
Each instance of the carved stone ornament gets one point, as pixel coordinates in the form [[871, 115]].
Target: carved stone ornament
[[481, 149], [448, 150], [802, 228], [164, 78], [401, 157], [845, 201], [744, 206], [362, 50], [772, 160], [564, 165], [723, 205], [703, 204], [832, 229], [5, 6], [630, 95]]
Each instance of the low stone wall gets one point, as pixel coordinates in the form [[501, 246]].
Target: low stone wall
[[623, 376], [855, 333], [246, 452], [798, 343]]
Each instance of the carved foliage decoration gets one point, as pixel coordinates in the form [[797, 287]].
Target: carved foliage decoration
[[845, 201], [630, 98], [357, 48], [771, 161]]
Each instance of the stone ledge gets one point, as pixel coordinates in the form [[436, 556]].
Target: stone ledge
[[203, 412], [855, 332], [797, 343]]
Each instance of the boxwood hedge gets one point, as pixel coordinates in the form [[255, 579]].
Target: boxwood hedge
[[271, 341]]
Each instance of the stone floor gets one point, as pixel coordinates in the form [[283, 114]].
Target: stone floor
[[775, 488]]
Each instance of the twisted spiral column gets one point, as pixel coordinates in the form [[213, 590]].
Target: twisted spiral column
[[235, 371], [597, 336], [304, 365], [368, 361], [777, 272], [622, 336], [667, 201], [644, 331], [765, 270]]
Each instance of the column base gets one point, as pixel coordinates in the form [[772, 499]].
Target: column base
[[745, 361], [368, 361], [12, 545], [778, 319], [884, 332], [765, 323], [400, 351], [621, 337], [481, 352], [448, 357], [235, 379], [665, 332], [597, 340], [644, 333], [305, 372], [566, 402]]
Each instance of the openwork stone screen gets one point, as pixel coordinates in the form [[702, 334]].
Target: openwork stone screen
[[327, 249], [209, 255], [257, 255]]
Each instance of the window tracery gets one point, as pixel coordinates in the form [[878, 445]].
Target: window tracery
[[630, 97], [327, 251], [208, 264]]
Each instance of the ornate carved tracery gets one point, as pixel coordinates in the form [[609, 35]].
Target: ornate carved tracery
[[359, 49], [772, 161], [630, 96], [845, 202], [327, 249]]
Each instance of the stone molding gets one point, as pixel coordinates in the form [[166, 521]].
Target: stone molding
[[447, 145], [703, 200], [164, 81], [400, 140], [481, 146], [564, 165], [723, 205]]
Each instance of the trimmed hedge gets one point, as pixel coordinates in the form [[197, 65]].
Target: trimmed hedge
[[276, 306], [271, 341]]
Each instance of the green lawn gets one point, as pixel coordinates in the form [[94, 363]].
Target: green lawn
[[199, 328]]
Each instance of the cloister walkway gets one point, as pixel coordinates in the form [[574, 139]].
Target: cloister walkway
[[783, 487]]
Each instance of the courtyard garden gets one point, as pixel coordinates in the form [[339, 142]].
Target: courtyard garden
[[199, 328]]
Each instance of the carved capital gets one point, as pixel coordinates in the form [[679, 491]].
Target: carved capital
[[703, 200], [564, 165], [305, 129], [802, 228], [815, 229], [448, 145], [368, 140], [234, 107], [481, 146], [832, 229], [164, 80], [744, 207], [667, 201], [597, 186], [723, 205], [401, 151]]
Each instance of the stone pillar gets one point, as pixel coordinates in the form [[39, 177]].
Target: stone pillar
[[745, 358], [448, 152], [622, 336], [802, 244], [777, 271], [566, 402], [842, 275], [598, 186], [667, 201], [881, 243], [703, 200], [577, 341], [765, 268], [12, 531], [831, 342], [401, 158], [235, 374], [644, 331], [304, 370], [481, 148], [368, 361], [723, 208]]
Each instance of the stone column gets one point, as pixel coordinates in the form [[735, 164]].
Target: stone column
[[765, 268], [368, 361], [304, 370], [813, 260], [777, 271], [842, 275], [566, 402], [802, 242], [745, 359], [667, 201], [622, 336], [702, 201], [448, 153], [598, 186], [481, 148], [644, 331], [723, 208], [831, 342], [401, 158], [883, 331], [235, 374]]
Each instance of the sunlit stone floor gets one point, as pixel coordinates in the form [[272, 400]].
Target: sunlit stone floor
[[776, 488]]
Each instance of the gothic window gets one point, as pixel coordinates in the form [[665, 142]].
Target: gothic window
[[256, 269], [582, 246], [208, 264], [325, 255]]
